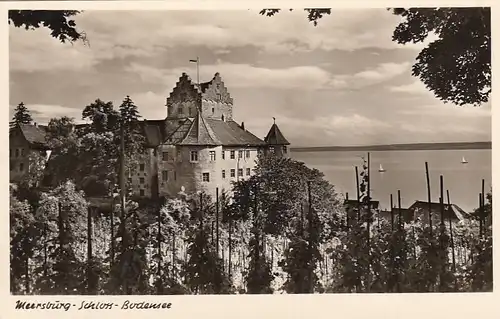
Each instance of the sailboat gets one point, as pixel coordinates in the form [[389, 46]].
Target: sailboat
[[464, 161], [381, 169]]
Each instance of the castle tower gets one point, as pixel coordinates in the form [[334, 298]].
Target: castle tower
[[276, 142]]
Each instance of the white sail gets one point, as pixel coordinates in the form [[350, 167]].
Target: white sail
[[464, 160], [381, 169]]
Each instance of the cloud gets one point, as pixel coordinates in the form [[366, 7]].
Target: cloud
[[36, 50], [42, 113], [293, 78], [416, 87], [146, 34]]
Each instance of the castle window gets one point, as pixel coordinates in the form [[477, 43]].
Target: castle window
[[212, 155], [247, 153], [142, 167], [240, 154], [271, 149], [218, 86], [22, 151], [141, 192], [233, 172], [141, 180], [175, 175], [17, 152], [240, 171], [223, 153], [194, 156], [231, 155], [21, 167], [223, 173], [248, 172], [165, 156], [181, 110], [190, 112], [206, 177], [164, 176], [179, 156], [213, 110], [284, 150], [219, 97]]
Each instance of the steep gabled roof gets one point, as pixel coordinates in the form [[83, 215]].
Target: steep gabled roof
[[199, 134], [34, 135], [275, 137]]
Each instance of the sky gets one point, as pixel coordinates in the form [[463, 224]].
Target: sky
[[342, 82]]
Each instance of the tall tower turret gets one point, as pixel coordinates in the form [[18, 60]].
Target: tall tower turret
[[276, 142]]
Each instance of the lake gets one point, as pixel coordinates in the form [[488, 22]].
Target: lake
[[405, 171]]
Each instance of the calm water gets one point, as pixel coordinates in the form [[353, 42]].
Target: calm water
[[405, 170]]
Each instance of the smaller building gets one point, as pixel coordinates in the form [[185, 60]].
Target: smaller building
[[25, 140], [420, 209]]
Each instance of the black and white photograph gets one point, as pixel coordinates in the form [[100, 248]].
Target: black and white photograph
[[251, 151]]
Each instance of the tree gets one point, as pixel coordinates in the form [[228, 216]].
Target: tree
[[59, 22], [22, 239], [61, 220], [21, 116], [457, 66]]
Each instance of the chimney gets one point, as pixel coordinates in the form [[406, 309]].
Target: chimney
[[243, 125]]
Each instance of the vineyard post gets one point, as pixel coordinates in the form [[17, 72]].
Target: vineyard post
[[217, 221], [480, 215], [400, 238], [483, 216], [90, 279], [347, 211], [357, 191], [368, 220], [392, 215], [452, 242], [429, 197], [310, 228], [160, 257]]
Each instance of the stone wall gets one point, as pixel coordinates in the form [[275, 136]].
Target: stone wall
[[184, 100], [216, 101]]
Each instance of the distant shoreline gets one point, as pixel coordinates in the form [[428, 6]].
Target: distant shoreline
[[399, 147]]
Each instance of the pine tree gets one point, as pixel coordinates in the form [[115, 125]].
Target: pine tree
[[21, 116]]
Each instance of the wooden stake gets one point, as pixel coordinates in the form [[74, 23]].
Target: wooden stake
[[217, 222], [452, 242], [441, 192], [357, 191], [429, 196], [392, 215]]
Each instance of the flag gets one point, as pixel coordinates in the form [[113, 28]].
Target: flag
[[195, 61]]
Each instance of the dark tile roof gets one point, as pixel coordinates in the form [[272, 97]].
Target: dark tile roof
[[275, 137], [200, 133], [35, 135], [230, 133], [449, 210]]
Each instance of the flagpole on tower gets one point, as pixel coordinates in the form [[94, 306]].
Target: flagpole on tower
[[197, 61], [198, 70]]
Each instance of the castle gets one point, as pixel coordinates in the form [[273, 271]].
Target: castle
[[197, 147]]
